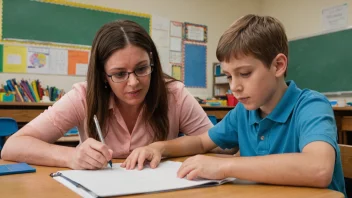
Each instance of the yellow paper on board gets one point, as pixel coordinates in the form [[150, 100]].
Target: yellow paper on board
[[15, 59], [176, 72]]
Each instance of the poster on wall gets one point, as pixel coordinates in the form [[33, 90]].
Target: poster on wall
[[58, 62], [14, 59], [195, 32], [335, 17], [77, 62], [38, 60]]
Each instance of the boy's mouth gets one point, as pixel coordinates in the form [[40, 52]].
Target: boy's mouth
[[243, 99]]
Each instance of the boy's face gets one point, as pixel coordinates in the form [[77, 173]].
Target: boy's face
[[251, 82]]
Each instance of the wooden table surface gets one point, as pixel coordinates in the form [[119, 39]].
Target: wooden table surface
[[41, 185]]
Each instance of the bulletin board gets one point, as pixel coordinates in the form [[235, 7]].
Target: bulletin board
[[195, 65]]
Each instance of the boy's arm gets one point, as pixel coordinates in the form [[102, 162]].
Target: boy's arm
[[313, 167]]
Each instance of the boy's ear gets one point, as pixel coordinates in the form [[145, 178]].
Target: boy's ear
[[280, 65]]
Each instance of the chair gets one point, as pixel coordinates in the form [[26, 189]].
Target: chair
[[346, 160], [346, 126], [8, 126], [213, 119]]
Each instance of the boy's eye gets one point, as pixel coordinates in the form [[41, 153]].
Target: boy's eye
[[245, 74], [229, 77]]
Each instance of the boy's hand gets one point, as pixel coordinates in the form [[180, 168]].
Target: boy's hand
[[204, 167], [91, 154], [140, 155]]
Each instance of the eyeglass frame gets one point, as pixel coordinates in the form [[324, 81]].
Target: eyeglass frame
[[128, 74]]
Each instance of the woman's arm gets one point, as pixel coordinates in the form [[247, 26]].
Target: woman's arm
[[27, 145]]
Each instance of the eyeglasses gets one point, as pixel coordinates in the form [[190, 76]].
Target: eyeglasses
[[124, 75]]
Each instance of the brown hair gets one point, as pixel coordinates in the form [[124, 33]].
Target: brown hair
[[263, 37], [115, 36]]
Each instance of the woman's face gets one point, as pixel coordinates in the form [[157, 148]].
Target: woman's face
[[130, 92]]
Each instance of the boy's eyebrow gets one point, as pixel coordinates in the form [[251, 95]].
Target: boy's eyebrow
[[237, 68], [242, 66]]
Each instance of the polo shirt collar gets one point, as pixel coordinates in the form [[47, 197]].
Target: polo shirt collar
[[283, 109]]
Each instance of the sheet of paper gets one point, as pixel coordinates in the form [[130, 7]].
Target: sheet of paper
[[161, 38], [119, 181], [164, 59], [176, 57], [160, 23], [335, 17], [195, 33], [38, 60], [81, 69], [176, 29], [175, 44], [76, 57], [58, 62], [15, 59], [177, 72]]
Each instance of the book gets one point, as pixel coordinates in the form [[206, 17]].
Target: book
[[7, 169], [117, 181]]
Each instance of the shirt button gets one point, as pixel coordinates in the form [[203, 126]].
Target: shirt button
[[262, 137]]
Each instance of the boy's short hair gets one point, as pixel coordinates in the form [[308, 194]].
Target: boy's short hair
[[263, 37]]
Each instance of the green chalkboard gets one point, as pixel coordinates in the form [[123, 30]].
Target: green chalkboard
[[322, 62], [48, 22]]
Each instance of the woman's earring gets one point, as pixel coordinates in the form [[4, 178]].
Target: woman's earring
[[106, 85]]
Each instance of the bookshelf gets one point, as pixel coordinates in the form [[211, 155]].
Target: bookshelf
[[220, 83]]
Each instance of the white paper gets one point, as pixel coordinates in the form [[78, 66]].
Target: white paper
[[81, 69], [335, 17], [14, 59], [164, 59], [195, 33], [176, 57], [175, 44], [58, 61], [160, 23], [119, 181], [161, 38], [175, 29], [38, 60]]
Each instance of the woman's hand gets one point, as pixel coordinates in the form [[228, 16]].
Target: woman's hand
[[91, 154], [140, 155]]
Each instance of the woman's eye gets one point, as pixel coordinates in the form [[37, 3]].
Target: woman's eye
[[120, 74]]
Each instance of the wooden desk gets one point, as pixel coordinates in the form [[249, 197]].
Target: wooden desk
[[218, 111], [72, 138], [22, 112], [40, 184]]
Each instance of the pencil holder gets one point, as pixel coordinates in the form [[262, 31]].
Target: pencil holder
[[8, 97]]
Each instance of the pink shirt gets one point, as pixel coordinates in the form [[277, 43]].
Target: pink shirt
[[185, 115]]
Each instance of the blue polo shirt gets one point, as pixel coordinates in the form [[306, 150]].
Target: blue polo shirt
[[301, 117]]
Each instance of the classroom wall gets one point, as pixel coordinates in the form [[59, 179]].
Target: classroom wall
[[217, 15], [303, 18]]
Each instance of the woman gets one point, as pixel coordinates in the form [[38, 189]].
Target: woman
[[136, 104]]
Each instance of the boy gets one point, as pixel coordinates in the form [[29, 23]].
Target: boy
[[286, 135]]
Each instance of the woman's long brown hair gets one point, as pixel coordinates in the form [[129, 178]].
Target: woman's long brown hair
[[115, 36]]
